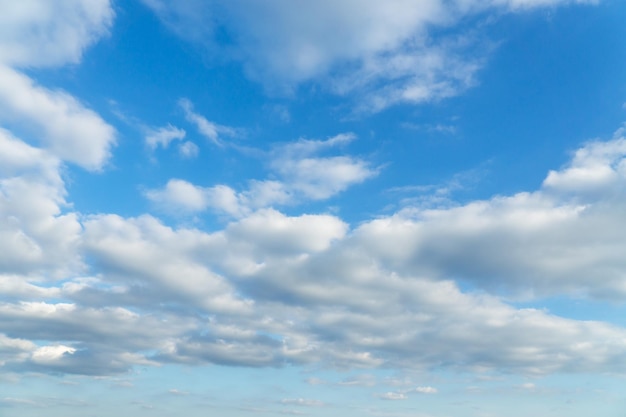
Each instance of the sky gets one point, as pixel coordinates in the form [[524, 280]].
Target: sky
[[408, 208]]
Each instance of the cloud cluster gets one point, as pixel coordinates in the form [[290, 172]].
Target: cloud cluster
[[271, 289], [303, 175]]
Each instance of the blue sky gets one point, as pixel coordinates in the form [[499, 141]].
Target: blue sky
[[410, 208]]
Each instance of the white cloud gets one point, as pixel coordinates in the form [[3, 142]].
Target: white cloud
[[212, 131], [36, 33], [47, 354], [134, 250], [163, 136], [426, 390], [595, 168], [387, 54], [303, 175], [41, 33], [321, 178], [59, 121]]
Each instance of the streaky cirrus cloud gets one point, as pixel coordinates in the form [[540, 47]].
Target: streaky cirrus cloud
[[163, 136]]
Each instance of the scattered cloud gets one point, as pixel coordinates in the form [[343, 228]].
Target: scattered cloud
[[212, 131], [60, 122], [425, 390], [37, 34], [302, 402], [163, 136], [393, 396]]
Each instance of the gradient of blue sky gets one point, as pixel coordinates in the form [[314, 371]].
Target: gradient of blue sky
[[401, 208]]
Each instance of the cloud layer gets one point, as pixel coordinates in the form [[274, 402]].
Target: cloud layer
[[271, 289]]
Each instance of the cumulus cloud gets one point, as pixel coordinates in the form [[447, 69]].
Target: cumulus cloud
[[426, 390], [188, 149], [36, 236], [180, 194], [38, 33], [388, 53], [558, 239], [59, 121], [302, 173], [132, 251], [319, 177], [271, 289], [393, 396]]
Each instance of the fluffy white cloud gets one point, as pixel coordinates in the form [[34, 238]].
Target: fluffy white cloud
[[37, 33], [35, 235], [387, 54], [133, 252], [180, 195], [598, 168], [59, 121]]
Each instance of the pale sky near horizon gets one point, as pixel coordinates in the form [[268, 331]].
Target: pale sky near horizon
[[400, 208]]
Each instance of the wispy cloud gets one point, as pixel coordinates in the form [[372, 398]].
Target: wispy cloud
[[210, 130]]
